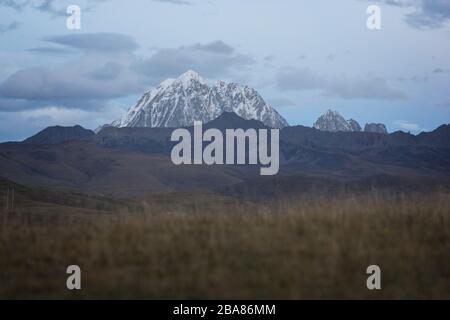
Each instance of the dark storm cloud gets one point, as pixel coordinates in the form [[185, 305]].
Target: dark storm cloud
[[211, 59], [104, 42], [361, 88]]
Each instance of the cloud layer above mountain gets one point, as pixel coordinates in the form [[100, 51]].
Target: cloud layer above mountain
[[211, 59], [109, 67]]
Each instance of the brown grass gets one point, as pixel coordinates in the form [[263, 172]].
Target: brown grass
[[314, 248]]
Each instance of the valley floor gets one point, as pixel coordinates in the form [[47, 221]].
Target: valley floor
[[225, 249]]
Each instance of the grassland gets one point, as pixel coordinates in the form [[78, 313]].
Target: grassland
[[206, 246]]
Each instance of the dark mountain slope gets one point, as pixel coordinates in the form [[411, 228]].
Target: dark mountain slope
[[438, 138], [58, 134], [134, 162]]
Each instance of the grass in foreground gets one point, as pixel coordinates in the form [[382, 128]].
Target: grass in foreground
[[314, 248]]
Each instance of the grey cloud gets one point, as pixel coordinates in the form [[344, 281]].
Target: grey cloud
[[45, 6], [443, 104], [182, 2], [428, 14], [108, 71], [215, 46], [365, 88], [331, 57], [79, 83], [51, 51], [63, 83], [83, 79], [211, 59], [104, 42], [408, 126], [11, 105], [299, 79], [24, 123], [426, 76], [48, 6], [14, 4], [9, 27], [362, 88], [281, 102]]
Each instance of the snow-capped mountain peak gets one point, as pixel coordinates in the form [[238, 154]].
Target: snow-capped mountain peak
[[190, 76], [188, 98], [166, 83], [333, 121]]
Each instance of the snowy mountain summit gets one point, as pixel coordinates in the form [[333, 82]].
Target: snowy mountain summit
[[334, 122], [179, 102]]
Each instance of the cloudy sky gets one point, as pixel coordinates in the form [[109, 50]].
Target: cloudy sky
[[303, 56]]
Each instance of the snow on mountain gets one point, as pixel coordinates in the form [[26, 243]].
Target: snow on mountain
[[354, 125], [179, 102], [334, 122]]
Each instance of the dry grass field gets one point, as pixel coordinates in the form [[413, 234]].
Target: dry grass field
[[209, 247]]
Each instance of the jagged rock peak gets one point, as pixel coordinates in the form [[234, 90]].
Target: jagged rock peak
[[375, 127], [333, 121]]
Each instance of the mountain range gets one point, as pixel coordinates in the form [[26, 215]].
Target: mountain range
[[179, 102], [333, 121], [130, 159], [134, 162]]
